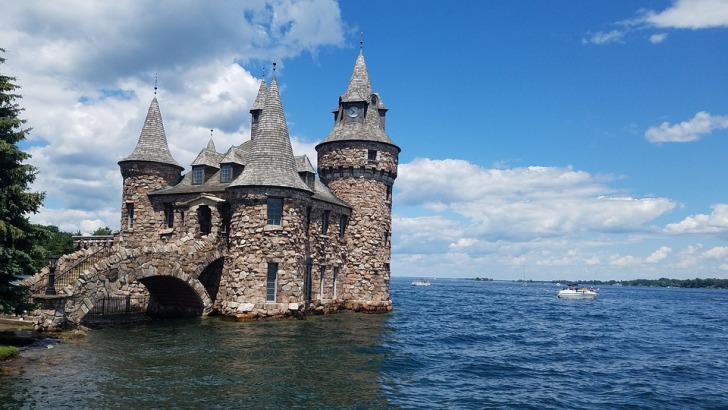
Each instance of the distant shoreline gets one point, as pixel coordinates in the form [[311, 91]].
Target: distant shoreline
[[662, 282]]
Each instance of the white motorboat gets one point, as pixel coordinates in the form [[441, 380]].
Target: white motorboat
[[574, 292], [421, 282]]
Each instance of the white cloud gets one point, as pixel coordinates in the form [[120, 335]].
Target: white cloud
[[87, 69], [524, 202], [715, 223], [701, 124], [659, 255], [719, 252], [599, 38], [691, 14], [658, 38], [682, 14], [491, 222]]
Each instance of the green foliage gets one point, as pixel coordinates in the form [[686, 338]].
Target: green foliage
[[102, 231], [7, 352], [16, 202]]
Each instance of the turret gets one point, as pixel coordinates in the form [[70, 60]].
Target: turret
[[358, 162], [149, 167], [268, 202]]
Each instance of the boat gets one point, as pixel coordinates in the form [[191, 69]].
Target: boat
[[421, 282], [573, 291]]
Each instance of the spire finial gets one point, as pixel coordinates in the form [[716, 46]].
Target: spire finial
[[155, 83], [263, 73], [211, 133], [274, 67], [361, 40]]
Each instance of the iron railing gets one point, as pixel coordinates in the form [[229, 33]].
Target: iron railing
[[118, 305]]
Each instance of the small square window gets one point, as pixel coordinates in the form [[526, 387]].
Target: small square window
[[372, 155]]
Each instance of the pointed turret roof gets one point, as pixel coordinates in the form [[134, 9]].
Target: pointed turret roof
[[152, 145], [270, 161], [260, 98], [360, 90], [208, 156]]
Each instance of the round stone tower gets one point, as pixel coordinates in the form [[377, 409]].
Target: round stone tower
[[358, 162], [150, 167]]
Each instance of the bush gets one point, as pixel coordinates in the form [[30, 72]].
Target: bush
[[7, 352]]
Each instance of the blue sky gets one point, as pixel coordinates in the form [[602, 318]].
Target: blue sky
[[566, 139]]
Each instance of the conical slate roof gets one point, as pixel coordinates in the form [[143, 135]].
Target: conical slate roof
[[260, 98], [152, 145], [360, 90], [271, 161]]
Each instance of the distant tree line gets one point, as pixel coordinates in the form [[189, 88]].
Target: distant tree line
[[712, 283]]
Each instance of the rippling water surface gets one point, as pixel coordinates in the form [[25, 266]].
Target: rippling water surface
[[455, 344]]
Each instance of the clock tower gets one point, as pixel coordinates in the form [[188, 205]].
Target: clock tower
[[358, 163]]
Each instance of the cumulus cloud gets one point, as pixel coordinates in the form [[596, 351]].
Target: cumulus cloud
[[682, 14], [88, 69], [524, 202], [659, 255], [691, 14], [503, 218], [714, 223], [701, 124]]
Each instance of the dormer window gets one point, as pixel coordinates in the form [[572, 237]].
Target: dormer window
[[226, 173], [198, 175]]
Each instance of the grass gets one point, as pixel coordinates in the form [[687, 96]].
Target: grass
[[6, 352]]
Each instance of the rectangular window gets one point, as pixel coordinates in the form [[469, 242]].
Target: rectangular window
[[168, 215], [342, 224], [275, 211], [325, 222], [130, 216], [389, 193], [271, 282], [226, 173], [197, 175], [321, 282], [307, 282], [336, 273], [386, 236], [372, 155]]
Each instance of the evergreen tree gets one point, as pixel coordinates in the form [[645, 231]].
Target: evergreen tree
[[16, 202]]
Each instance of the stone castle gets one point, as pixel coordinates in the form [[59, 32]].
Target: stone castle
[[249, 233]]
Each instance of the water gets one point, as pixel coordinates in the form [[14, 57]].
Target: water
[[455, 344]]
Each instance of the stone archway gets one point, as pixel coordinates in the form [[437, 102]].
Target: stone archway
[[171, 274]]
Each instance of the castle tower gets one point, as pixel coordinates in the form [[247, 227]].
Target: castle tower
[[268, 202], [358, 162], [149, 167]]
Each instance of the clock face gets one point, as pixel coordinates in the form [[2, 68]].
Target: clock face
[[353, 111]]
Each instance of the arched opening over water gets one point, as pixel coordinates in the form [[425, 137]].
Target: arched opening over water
[[210, 278], [171, 297]]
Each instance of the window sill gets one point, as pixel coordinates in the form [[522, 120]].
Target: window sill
[[272, 228]]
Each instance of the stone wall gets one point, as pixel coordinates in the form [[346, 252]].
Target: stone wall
[[366, 185], [140, 178], [253, 244]]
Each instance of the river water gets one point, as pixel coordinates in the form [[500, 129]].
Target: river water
[[456, 344]]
